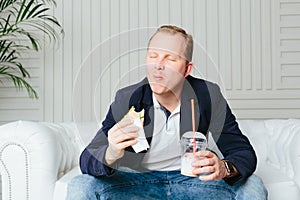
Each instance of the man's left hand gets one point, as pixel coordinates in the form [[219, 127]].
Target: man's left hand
[[209, 165]]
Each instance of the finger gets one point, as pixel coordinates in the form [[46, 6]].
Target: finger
[[203, 162], [205, 153], [121, 124], [209, 177], [204, 170], [126, 133], [126, 143], [129, 129], [212, 176], [124, 137]]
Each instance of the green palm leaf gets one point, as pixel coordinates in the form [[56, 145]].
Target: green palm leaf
[[23, 19], [18, 81]]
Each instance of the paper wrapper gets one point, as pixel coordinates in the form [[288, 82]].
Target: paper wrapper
[[138, 118]]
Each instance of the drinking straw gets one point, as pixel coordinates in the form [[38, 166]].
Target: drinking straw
[[193, 125]]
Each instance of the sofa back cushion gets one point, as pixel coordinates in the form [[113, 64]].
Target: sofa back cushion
[[274, 141]]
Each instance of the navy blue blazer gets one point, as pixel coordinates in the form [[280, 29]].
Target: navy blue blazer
[[212, 114]]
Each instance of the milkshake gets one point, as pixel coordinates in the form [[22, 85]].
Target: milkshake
[[191, 142]]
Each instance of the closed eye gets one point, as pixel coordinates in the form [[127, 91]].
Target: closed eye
[[172, 58], [152, 55]]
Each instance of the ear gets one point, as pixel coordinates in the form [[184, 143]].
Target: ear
[[188, 68]]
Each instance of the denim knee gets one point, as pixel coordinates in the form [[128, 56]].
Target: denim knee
[[81, 188], [253, 188]]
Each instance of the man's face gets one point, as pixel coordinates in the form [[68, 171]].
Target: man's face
[[166, 64]]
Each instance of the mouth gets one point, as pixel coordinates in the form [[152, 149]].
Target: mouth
[[158, 77]]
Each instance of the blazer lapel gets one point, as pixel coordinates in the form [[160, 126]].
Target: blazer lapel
[[146, 103], [188, 93], [149, 113]]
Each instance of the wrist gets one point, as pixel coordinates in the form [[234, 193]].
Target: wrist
[[230, 169], [109, 157]]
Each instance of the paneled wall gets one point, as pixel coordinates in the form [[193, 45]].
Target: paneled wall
[[250, 47]]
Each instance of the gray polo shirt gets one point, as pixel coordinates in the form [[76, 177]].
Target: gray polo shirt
[[164, 153]]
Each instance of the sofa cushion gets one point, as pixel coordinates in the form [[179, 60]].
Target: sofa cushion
[[61, 185], [256, 132], [278, 184]]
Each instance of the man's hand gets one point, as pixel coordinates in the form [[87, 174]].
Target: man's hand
[[120, 136], [210, 165]]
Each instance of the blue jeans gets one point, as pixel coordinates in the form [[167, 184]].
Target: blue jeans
[[161, 185]]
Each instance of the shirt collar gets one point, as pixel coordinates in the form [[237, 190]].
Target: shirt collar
[[158, 106], [155, 102]]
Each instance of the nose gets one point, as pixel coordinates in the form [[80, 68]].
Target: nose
[[160, 66]]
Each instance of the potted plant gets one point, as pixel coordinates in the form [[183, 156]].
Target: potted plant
[[23, 25]]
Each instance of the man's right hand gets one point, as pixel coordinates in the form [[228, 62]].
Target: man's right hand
[[120, 136]]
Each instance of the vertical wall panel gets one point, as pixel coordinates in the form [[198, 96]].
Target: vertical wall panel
[[58, 73], [225, 44], [246, 44], [124, 43], [143, 36], [251, 48], [133, 40], [67, 61], [256, 44], [77, 60], [266, 44], [153, 14], [114, 43], [163, 12], [213, 40], [48, 78], [200, 41], [176, 12], [105, 87], [95, 58], [187, 16], [236, 44], [86, 61]]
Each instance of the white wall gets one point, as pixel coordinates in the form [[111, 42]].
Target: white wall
[[252, 48]]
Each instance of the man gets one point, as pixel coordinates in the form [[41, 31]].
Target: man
[[114, 170]]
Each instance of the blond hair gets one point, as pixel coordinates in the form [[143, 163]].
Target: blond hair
[[188, 53]]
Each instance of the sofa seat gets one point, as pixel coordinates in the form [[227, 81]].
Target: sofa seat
[[38, 159], [277, 145], [278, 184]]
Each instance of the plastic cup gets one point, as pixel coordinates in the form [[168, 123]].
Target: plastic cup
[[189, 147]]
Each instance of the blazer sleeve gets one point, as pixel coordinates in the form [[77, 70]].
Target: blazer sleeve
[[234, 146], [92, 159]]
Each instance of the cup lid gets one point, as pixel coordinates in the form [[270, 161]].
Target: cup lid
[[192, 134]]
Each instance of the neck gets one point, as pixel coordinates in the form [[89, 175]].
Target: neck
[[169, 100]]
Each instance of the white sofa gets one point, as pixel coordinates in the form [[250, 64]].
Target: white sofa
[[38, 159]]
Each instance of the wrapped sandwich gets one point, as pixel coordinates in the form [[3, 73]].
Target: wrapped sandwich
[[138, 118], [132, 114]]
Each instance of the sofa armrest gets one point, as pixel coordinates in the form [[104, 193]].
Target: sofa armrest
[[294, 151], [32, 157], [61, 185]]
